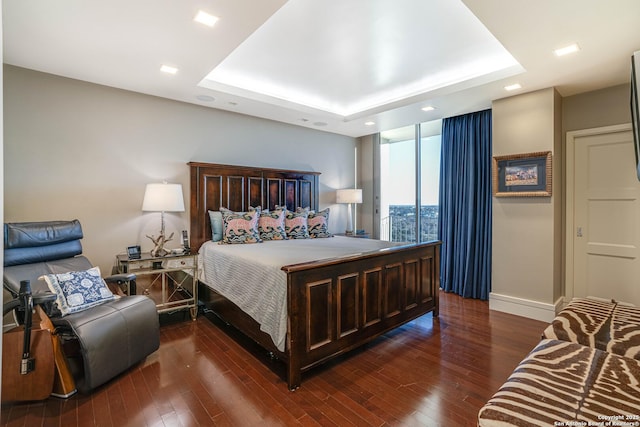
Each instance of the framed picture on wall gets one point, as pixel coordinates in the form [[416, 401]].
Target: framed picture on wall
[[522, 175]]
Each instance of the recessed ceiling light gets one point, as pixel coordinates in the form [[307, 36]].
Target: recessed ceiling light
[[320, 123], [428, 108], [168, 69], [369, 123], [567, 49], [513, 86], [205, 18], [205, 98]]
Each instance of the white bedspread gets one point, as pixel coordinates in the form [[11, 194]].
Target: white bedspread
[[250, 275]]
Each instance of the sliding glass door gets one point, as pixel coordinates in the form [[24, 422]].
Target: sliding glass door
[[409, 188], [398, 185], [429, 183]]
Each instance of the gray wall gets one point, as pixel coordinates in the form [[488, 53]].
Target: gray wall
[[79, 150], [527, 238], [366, 211], [595, 109], [528, 278]]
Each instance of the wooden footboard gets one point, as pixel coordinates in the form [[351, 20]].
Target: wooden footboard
[[337, 305]]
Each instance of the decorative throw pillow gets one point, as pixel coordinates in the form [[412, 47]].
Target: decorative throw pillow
[[271, 225], [78, 290], [295, 224], [240, 227], [318, 223], [215, 217]]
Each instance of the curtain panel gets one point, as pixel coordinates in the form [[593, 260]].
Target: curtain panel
[[465, 205]]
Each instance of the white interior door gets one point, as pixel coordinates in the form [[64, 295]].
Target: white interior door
[[603, 215]]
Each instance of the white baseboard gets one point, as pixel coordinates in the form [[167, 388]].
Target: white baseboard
[[525, 308]]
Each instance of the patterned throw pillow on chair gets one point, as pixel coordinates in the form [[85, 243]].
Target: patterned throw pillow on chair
[[78, 290]]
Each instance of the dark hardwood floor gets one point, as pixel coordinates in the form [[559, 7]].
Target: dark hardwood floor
[[426, 373]]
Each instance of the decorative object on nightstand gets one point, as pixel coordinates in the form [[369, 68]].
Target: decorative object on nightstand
[[133, 251], [162, 198], [349, 196]]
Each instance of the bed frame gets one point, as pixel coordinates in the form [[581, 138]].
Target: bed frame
[[333, 305]]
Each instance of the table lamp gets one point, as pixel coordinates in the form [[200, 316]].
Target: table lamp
[[349, 196], [162, 198]]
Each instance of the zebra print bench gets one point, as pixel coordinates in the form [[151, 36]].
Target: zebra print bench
[[564, 383], [605, 325]]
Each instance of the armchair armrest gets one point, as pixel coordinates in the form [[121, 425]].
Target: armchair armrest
[[43, 297], [119, 279], [38, 298]]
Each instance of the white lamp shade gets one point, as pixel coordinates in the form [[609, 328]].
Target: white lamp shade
[[163, 198], [349, 195]]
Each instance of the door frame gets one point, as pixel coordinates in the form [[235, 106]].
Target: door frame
[[571, 138]]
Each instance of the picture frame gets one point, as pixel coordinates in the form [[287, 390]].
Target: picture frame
[[522, 175], [134, 252]]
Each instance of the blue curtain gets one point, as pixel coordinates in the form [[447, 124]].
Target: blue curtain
[[465, 205]]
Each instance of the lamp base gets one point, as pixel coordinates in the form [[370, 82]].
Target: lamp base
[[349, 230], [159, 242]]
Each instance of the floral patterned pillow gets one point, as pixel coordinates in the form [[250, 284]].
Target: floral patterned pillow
[[78, 290], [240, 227], [271, 225], [295, 224], [318, 223]]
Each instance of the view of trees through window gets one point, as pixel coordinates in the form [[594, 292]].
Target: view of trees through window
[[406, 216]]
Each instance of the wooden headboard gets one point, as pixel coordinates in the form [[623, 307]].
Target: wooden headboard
[[237, 187]]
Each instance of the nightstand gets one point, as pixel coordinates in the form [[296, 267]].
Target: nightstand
[[169, 281]]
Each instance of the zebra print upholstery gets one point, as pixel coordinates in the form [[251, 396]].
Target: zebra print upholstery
[[563, 383], [608, 326]]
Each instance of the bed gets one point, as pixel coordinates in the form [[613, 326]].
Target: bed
[[333, 305]]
